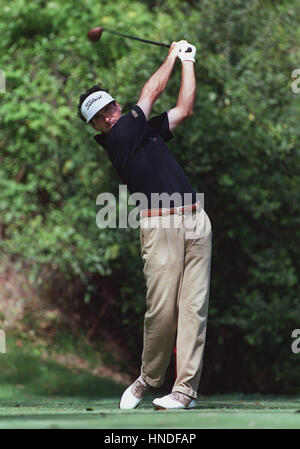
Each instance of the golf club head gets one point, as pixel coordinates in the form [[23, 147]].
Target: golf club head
[[95, 34]]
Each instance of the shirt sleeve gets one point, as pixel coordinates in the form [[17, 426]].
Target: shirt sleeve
[[160, 123]]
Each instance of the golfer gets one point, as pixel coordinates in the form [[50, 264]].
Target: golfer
[[175, 235]]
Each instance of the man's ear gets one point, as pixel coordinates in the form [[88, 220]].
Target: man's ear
[[118, 106], [91, 123]]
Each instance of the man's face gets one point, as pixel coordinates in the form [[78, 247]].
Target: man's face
[[105, 119]]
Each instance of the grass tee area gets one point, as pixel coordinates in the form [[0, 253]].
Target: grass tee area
[[20, 410]]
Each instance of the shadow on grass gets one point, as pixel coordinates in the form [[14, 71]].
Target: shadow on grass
[[30, 374]]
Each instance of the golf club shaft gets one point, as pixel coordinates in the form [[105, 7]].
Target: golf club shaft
[[137, 38]]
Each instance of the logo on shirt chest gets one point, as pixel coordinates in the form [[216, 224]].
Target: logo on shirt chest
[[134, 113]]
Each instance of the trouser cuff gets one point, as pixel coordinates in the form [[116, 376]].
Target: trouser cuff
[[188, 391], [152, 382]]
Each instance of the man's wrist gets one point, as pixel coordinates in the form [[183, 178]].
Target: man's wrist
[[187, 61], [171, 58]]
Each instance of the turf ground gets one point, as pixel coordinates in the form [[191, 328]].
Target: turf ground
[[23, 411]]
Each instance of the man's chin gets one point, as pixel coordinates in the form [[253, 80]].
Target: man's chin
[[109, 127]]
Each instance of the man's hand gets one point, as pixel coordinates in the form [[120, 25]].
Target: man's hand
[[184, 55], [175, 49]]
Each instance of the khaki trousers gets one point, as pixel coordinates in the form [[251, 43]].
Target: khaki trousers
[[176, 252]]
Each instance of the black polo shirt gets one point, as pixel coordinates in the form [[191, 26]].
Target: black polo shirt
[[137, 150]]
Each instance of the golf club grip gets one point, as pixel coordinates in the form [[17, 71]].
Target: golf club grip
[[188, 50]]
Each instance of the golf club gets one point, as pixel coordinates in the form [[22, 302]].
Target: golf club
[[94, 35]]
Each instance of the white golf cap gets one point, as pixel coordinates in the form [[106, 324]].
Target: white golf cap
[[94, 102]]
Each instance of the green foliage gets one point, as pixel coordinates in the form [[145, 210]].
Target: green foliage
[[239, 148], [31, 369]]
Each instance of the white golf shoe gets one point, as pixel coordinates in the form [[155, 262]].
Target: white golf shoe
[[174, 401], [133, 395]]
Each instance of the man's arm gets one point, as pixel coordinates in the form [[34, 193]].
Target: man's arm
[[186, 96], [158, 81]]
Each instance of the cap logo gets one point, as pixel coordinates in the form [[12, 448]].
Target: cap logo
[[90, 102]]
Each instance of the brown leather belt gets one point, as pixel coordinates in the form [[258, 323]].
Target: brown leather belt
[[175, 210]]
